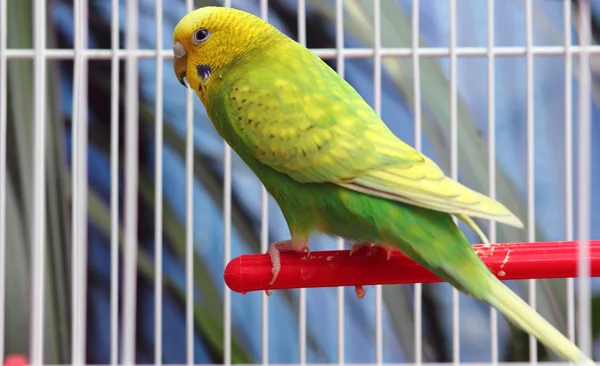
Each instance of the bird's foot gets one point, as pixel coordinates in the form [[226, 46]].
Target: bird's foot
[[281, 246], [358, 246], [360, 292]]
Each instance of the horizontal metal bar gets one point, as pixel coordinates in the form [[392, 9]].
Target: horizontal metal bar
[[18, 360], [368, 266], [327, 53]]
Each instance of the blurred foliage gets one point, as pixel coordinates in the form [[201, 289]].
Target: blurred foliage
[[19, 185], [596, 317]]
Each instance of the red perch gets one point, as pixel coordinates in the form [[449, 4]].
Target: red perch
[[368, 266]]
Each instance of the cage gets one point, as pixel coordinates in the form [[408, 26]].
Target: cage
[[120, 206]]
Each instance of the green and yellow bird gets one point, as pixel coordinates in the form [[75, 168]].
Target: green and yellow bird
[[330, 162]]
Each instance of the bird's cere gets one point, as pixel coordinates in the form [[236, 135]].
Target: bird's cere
[[178, 50]]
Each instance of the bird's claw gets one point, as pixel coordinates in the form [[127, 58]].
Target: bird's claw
[[281, 246], [358, 246], [360, 292], [388, 249]]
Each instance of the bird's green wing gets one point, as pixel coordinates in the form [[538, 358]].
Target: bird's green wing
[[308, 123], [313, 133]]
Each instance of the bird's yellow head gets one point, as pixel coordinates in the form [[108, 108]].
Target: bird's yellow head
[[209, 39]]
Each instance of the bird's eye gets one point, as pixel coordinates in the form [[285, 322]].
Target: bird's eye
[[200, 35]]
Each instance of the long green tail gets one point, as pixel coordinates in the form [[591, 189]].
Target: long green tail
[[521, 314]]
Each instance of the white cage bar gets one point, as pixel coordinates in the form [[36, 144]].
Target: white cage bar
[[189, 230], [325, 53], [530, 158], [38, 246], [492, 157], [341, 310], [264, 211], [377, 108], [131, 173], [80, 185], [418, 288], [3, 152], [584, 183], [124, 352], [568, 163], [454, 166], [114, 183]]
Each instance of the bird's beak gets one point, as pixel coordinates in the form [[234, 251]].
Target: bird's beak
[[180, 62]]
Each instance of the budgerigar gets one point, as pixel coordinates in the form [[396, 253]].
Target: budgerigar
[[330, 162]]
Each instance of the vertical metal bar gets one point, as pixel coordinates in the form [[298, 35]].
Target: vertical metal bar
[[38, 246], [79, 182], [227, 243], [569, 161], [264, 236], [302, 22], [114, 187], [340, 65], [189, 220], [377, 107], [131, 185], [264, 245], [530, 159], [584, 181], [158, 193], [454, 167], [114, 184], [189, 228], [3, 152], [264, 10], [492, 157], [418, 293], [302, 298]]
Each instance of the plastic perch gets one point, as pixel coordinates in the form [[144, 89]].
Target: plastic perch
[[369, 266]]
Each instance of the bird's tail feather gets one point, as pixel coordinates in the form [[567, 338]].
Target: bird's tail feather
[[521, 314], [469, 221]]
